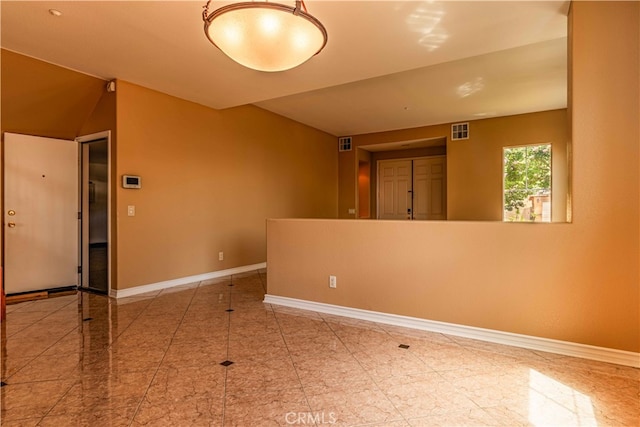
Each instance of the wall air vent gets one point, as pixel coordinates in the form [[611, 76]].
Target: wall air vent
[[344, 143], [459, 131]]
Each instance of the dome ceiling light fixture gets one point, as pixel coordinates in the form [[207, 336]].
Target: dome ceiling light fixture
[[265, 36]]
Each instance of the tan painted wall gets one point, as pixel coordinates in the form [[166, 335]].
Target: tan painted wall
[[43, 99], [474, 166], [209, 181], [103, 116], [576, 282]]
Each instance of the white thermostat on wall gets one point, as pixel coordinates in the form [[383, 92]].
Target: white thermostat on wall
[[131, 181]]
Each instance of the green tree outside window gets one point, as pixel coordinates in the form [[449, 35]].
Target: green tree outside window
[[527, 183]]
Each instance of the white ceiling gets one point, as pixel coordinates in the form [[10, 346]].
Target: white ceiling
[[387, 65]]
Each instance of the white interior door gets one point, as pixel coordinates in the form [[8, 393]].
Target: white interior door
[[413, 189], [41, 213], [395, 184], [430, 188]]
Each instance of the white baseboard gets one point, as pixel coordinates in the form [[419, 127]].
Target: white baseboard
[[137, 290], [566, 348]]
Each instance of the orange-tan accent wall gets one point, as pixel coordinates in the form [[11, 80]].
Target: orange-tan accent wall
[[576, 282], [210, 178], [474, 165]]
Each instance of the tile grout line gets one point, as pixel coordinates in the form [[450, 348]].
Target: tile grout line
[[153, 377], [47, 348], [405, 419], [75, 382], [434, 371], [57, 401], [226, 371], [35, 321], [386, 332], [304, 392]]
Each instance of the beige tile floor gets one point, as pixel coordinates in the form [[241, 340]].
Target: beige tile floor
[[154, 360]]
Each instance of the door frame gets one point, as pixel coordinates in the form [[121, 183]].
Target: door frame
[[85, 214]]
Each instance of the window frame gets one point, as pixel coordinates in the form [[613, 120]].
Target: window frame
[[504, 176]]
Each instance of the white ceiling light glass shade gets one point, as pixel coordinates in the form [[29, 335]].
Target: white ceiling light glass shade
[[265, 36]]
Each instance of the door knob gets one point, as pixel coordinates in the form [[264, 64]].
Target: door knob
[[12, 225], [11, 212]]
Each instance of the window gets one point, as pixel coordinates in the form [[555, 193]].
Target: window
[[527, 183]]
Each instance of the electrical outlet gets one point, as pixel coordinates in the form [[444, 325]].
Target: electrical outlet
[[332, 282], [220, 256], [131, 210]]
